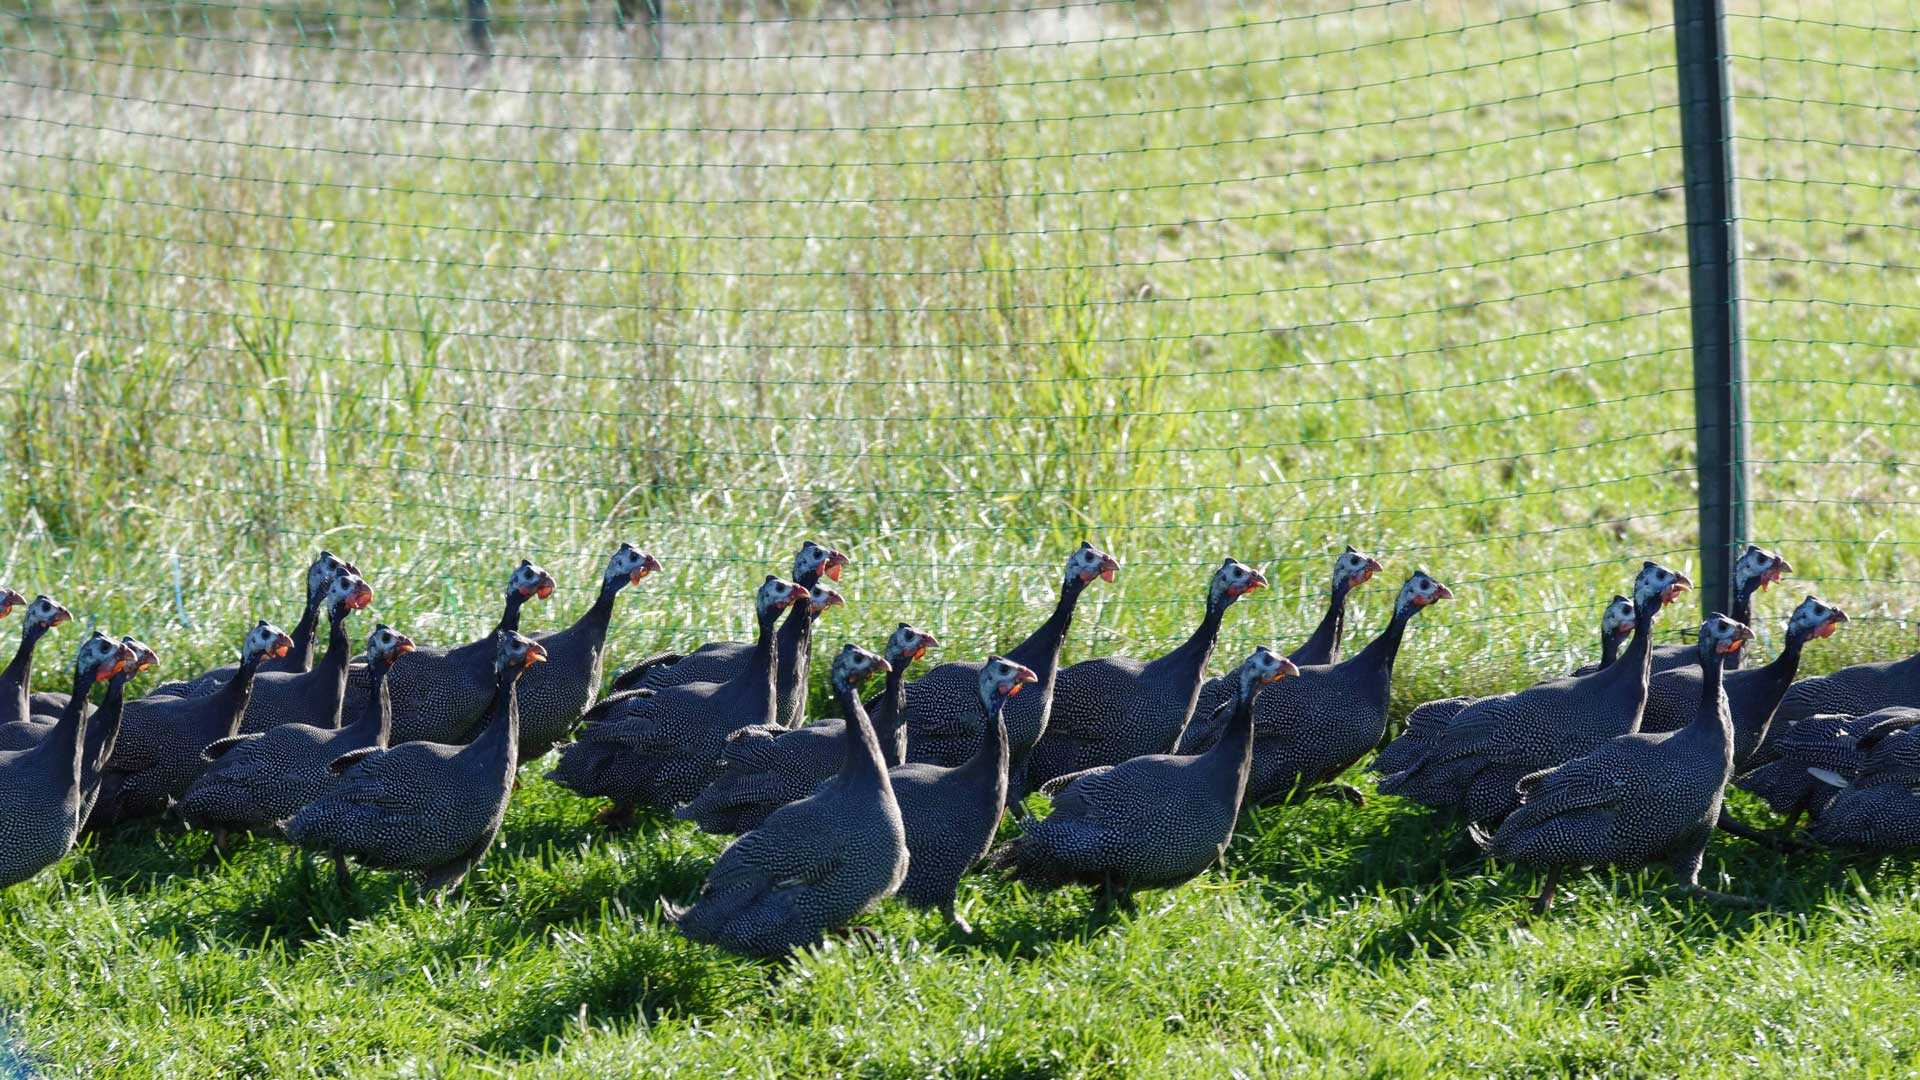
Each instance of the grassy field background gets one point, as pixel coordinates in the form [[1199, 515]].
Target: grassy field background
[[950, 291]]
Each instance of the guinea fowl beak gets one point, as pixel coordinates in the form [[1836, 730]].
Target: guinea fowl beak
[[9, 598], [835, 560], [648, 565], [1681, 583], [1441, 592], [402, 645], [1367, 571], [1834, 619], [880, 665], [1780, 568], [282, 645], [362, 596], [1287, 670], [1021, 677], [60, 615], [536, 654], [122, 656], [1256, 580], [1109, 566]]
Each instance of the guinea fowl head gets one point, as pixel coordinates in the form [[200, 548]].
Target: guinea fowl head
[[814, 560], [9, 600], [1617, 620], [325, 567], [908, 644], [1419, 591], [1655, 586], [1088, 562], [629, 566], [777, 595], [143, 657], [1720, 635], [347, 593], [822, 598], [385, 644], [1758, 568], [1353, 569], [515, 652], [853, 666], [100, 658], [45, 614], [1261, 667], [264, 642], [1814, 619], [1001, 678], [1232, 581], [528, 581]]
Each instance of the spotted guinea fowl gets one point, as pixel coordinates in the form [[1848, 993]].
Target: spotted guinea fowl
[[1756, 569], [425, 807], [1474, 763], [659, 748], [103, 727], [41, 787], [320, 573], [1311, 729], [317, 696], [157, 755], [1428, 719], [1153, 821], [951, 814], [718, 661], [943, 707], [1636, 798], [1853, 691], [17, 701], [816, 863], [440, 695], [1115, 708], [1873, 806], [554, 695], [1800, 770], [763, 768], [254, 782]]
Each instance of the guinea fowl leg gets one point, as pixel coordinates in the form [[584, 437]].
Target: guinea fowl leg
[[1686, 868], [341, 876], [1733, 826], [949, 909], [615, 816], [1544, 902], [1345, 793]]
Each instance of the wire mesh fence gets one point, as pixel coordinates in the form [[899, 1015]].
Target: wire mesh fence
[[951, 287]]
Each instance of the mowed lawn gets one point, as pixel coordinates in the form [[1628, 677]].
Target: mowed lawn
[[951, 292]]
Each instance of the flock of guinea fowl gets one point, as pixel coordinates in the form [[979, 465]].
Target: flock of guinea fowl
[[404, 758]]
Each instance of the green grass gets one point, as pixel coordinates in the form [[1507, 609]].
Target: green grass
[[952, 294]]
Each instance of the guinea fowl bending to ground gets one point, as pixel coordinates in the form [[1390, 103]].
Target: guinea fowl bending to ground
[[763, 768], [1313, 728], [1634, 799], [719, 661], [317, 696], [430, 808], [157, 755], [1115, 708], [320, 573], [1474, 763], [1800, 770], [554, 695], [815, 863], [42, 787], [660, 748], [1756, 569], [1873, 806], [254, 782], [16, 682], [439, 695], [1150, 822], [951, 814], [1430, 718]]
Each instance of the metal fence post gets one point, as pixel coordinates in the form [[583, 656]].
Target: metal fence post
[[1719, 372]]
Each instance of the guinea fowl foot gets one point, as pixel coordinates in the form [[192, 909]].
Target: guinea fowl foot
[[1544, 902], [1735, 900], [1780, 842], [341, 876], [953, 916], [615, 816], [1345, 793]]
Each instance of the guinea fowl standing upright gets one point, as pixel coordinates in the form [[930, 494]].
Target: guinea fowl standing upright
[[719, 661], [42, 787], [157, 754], [1313, 728], [1636, 798], [763, 768], [1115, 708], [320, 573], [317, 696], [815, 863], [440, 694], [1475, 761], [1150, 822], [429, 808], [659, 748], [103, 727], [943, 707], [254, 782], [1853, 691], [554, 695], [1756, 569], [16, 682], [951, 814]]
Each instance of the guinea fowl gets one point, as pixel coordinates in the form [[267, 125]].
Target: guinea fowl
[[719, 661], [320, 573], [1429, 719], [440, 694], [426, 807], [157, 755], [103, 727], [555, 694], [1476, 760], [42, 787], [254, 782], [1873, 805], [1854, 691], [1154, 821], [815, 863], [316, 696], [1636, 798], [943, 707], [1315, 727], [16, 682], [1115, 708], [1801, 769], [766, 767], [1756, 569], [951, 814], [659, 748]]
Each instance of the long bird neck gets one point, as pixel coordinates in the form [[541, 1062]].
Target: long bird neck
[[333, 665], [510, 616], [1041, 650], [300, 657], [593, 623], [794, 646], [1609, 648], [104, 728], [1743, 614], [886, 718], [1712, 721], [993, 752], [64, 741], [759, 672], [375, 725], [1199, 644], [1325, 640], [1381, 652], [18, 676], [501, 735], [1235, 746], [1637, 659], [863, 760], [237, 692]]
